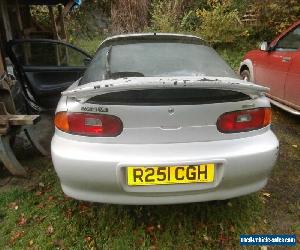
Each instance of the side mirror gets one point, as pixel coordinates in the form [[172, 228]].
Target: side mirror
[[87, 61], [264, 46]]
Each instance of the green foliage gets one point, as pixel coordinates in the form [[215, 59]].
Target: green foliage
[[164, 17], [221, 24], [232, 56], [40, 15], [190, 21], [88, 45], [274, 16], [216, 21], [83, 22]]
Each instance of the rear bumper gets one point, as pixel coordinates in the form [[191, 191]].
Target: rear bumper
[[96, 172]]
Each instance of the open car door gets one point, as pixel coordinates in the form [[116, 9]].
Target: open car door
[[45, 68]]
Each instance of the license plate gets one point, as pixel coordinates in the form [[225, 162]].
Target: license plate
[[167, 175]]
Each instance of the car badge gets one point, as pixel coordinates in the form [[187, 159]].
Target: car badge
[[171, 110]]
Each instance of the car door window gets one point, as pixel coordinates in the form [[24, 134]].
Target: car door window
[[45, 68], [290, 42], [48, 54]]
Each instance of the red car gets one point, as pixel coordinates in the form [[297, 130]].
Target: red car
[[277, 65]]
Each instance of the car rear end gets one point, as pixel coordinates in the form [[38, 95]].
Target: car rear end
[[163, 140], [223, 147]]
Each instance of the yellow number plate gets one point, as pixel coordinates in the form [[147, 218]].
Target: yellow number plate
[[141, 176]]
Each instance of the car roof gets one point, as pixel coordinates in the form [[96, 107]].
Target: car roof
[[151, 37]]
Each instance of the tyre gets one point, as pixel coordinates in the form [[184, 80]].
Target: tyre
[[245, 75]]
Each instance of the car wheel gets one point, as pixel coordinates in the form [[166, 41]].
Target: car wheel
[[245, 74]]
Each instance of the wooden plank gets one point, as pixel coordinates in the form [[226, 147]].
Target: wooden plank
[[62, 23], [19, 19], [5, 18], [55, 33], [53, 23], [18, 120], [21, 120], [1, 64], [4, 120]]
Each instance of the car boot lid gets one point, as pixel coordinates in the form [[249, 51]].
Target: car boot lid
[[138, 83]]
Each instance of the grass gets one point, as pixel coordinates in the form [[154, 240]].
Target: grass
[[43, 216], [40, 216], [232, 56]]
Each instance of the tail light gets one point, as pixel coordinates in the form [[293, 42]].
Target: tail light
[[89, 124], [244, 120]]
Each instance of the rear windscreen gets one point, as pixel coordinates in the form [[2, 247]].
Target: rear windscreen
[[152, 59], [176, 96]]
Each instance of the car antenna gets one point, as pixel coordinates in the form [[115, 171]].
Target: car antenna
[[107, 64]]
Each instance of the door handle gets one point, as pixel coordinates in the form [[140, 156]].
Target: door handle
[[286, 59]]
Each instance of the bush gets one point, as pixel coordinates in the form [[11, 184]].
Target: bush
[[172, 16], [221, 24], [89, 21], [129, 15], [274, 16]]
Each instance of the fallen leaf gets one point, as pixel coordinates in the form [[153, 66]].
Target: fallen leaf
[[22, 220], [267, 194], [252, 229], [50, 229], [38, 218], [150, 228], [87, 238], [83, 207], [205, 237], [265, 221], [68, 213], [13, 205], [90, 242], [42, 184], [41, 205], [30, 243], [38, 193], [232, 229], [59, 244], [67, 198], [295, 146], [16, 235], [50, 198]]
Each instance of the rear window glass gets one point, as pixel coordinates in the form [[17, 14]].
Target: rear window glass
[[174, 96], [156, 59]]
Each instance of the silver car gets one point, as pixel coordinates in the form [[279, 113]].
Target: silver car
[[161, 119]]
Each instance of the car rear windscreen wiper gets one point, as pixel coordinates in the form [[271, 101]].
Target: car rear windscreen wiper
[[107, 63]]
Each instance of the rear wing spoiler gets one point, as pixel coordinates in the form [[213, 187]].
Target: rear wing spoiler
[[139, 83]]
